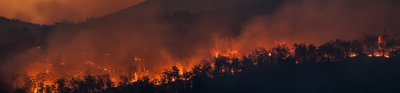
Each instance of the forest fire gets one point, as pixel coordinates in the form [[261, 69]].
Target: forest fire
[[198, 46], [226, 53], [47, 81], [353, 55]]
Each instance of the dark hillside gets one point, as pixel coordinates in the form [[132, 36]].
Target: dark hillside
[[17, 36]]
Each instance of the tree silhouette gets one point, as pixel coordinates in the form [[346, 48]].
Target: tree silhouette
[[211, 72]]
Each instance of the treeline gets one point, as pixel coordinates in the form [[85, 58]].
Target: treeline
[[372, 50], [17, 36]]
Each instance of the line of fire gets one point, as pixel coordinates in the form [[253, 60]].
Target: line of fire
[[222, 63], [199, 46]]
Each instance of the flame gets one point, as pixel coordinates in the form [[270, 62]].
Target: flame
[[156, 77], [180, 71], [379, 39], [115, 81], [297, 62], [35, 90], [354, 55], [377, 54], [135, 78], [225, 53]]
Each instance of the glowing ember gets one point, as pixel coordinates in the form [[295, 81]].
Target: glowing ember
[[378, 55], [379, 40], [353, 55], [225, 53]]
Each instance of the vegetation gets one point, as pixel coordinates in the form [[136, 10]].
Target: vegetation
[[262, 70], [17, 36]]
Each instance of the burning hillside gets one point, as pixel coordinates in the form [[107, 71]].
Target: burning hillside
[[221, 64], [200, 39]]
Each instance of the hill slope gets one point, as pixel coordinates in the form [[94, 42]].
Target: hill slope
[[17, 36]]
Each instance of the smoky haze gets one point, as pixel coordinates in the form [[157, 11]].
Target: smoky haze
[[51, 11], [163, 33]]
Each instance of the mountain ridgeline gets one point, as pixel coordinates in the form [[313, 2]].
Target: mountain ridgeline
[[17, 36], [333, 47]]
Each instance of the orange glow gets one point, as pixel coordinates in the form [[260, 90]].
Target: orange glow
[[115, 81], [379, 40], [60, 10], [353, 55], [135, 78], [180, 72], [225, 53], [157, 83], [153, 76], [35, 90], [118, 46], [376, 54]]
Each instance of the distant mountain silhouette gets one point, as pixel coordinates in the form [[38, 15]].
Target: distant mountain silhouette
[[16, 36], [195, 20], [164, 24]]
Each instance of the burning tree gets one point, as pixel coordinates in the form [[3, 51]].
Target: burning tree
[[382, 49]]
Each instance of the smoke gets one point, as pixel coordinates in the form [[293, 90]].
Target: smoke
[[318, 21], [51, 11], [156, 34]]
